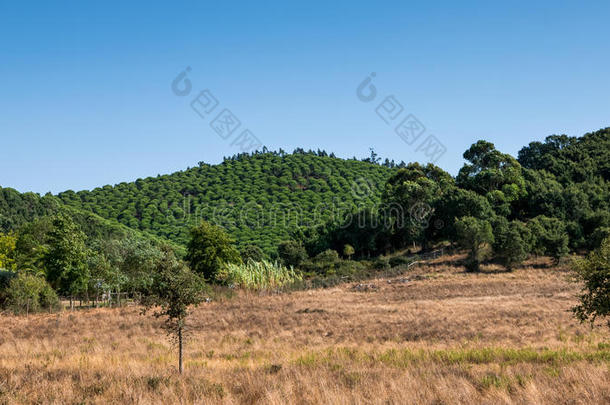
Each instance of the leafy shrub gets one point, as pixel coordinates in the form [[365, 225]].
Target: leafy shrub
[[381, 263], [399, 261], [292, 253], [252, 252], [27, 293], [5, 280], [258, 275]]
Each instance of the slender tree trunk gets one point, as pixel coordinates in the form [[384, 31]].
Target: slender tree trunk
[[180, 368]]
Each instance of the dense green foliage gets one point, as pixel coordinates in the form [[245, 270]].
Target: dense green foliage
[[8, 244], [594, 272], [474, 235], [209, 249], [28, 293], [65, 260]]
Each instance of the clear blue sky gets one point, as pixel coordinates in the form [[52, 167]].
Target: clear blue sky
[[86, 94]]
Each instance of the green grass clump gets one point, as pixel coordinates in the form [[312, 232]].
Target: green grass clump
[[258, 275]]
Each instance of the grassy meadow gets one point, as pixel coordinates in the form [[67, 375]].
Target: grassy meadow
[[434, 335]]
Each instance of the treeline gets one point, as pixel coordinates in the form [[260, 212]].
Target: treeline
[[553, 199], [322, 217], [53, 257]]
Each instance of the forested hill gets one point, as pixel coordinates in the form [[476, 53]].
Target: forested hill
[[261, 198], [258, 198]]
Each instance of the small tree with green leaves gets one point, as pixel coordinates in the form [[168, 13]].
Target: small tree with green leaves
[[475, 235], [348, 251], [209, 248], [175, 289], [594, 273]]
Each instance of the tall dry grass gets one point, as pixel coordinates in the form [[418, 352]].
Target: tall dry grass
[[434, 335]]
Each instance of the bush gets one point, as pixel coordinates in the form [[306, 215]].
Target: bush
[[381, 263], [549, 236], [325, 263], [27, 293], [252, 252], [327, 257], [399, 261], [292, 253]]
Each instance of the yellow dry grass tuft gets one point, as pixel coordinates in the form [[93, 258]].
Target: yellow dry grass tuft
[[433, 335]]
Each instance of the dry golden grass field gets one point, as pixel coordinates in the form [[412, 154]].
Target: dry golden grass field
[[434, 335]]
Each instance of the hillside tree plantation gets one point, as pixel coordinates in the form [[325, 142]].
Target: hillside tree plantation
[[322, 215]]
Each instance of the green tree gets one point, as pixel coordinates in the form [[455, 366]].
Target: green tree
[[348, 251], [31, 246], [475, 235], [292, 253], [209, 248], [549, 236], [496, 175], [510, 246], [66, 259], [174, 290], [456, 203], [7, 251], [594, 273], [408, 198]]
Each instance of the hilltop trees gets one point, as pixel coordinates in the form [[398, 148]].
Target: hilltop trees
[[209, 248], [554, 199]]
